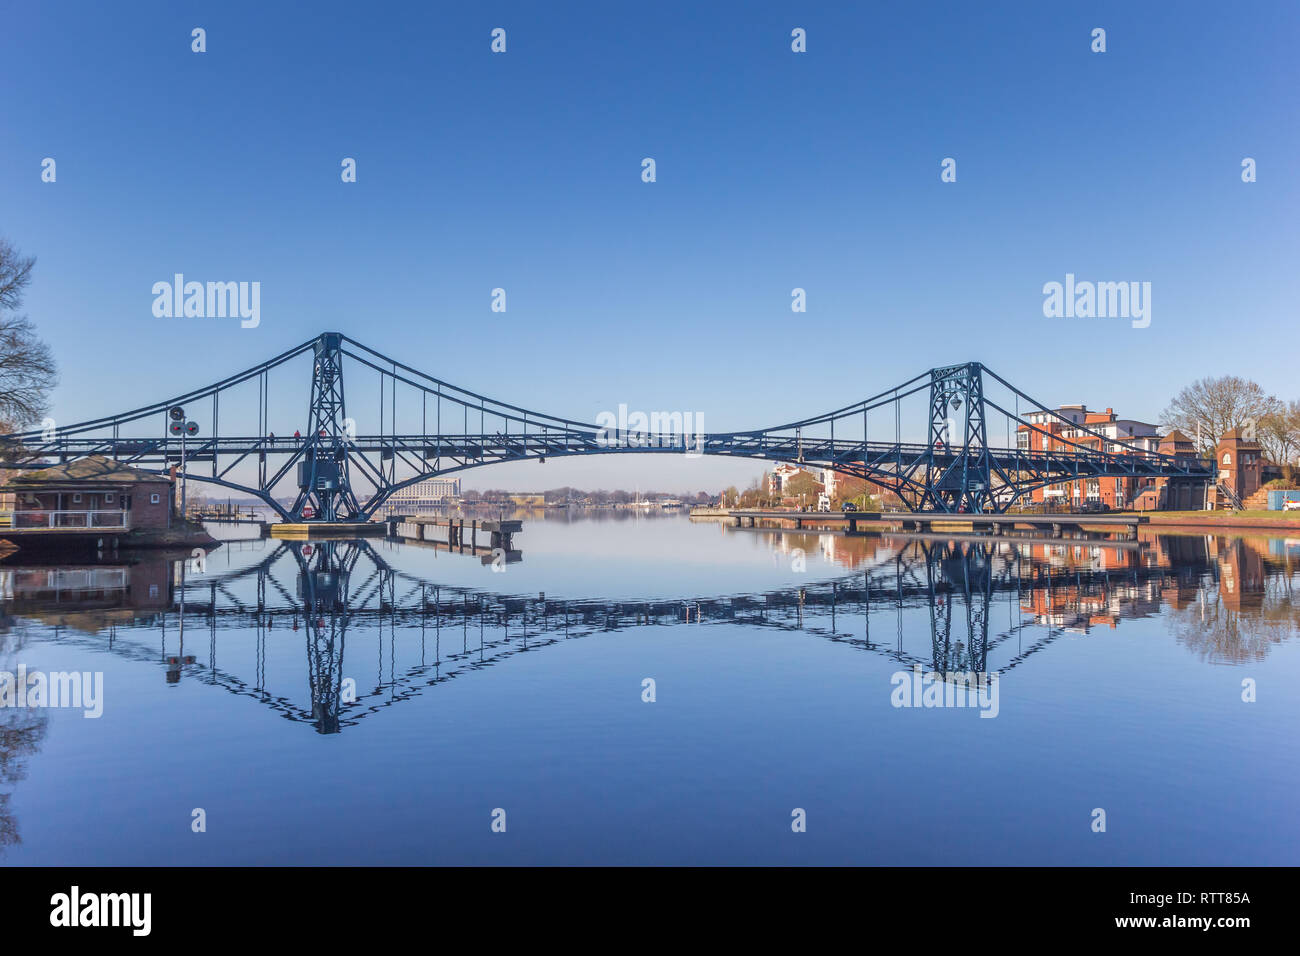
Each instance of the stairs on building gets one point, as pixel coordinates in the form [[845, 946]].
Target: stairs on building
[[1227, 498], [1257, 502]]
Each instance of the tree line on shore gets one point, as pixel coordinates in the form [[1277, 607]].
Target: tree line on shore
[[1209, 408], [599, 496]]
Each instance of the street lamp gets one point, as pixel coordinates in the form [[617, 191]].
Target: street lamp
[[182, 428]]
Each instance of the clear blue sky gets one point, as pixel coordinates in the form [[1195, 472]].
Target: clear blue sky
[[775, 170]]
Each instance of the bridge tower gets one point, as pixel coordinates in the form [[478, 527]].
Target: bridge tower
[[323, 477], [323, 584], [960, 467], [965, 572]]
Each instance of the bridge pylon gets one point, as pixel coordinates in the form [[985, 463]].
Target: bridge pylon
[[960, 468], [324, 483]]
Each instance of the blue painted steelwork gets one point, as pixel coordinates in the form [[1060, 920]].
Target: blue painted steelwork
[[956, 470]]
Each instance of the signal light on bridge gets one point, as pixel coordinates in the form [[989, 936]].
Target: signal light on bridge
[[176, 413], [175, 428], [191, 428]]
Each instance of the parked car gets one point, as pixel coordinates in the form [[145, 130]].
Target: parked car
[[848, 506], [1292, 504]]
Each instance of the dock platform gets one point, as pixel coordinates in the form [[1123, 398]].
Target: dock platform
[[309, 530]]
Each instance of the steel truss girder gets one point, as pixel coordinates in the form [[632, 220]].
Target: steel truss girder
[[954, 470]]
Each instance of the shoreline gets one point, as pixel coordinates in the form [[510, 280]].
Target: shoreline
[[1211, 521], [1220, 521]]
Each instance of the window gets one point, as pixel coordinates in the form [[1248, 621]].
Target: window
[[1227, 458], [108, 498], [76, 499], [153, 499]]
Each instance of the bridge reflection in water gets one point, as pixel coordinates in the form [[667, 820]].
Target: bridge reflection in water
[[991, 607]]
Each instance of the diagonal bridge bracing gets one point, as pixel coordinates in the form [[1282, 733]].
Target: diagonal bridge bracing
[[422, 427]]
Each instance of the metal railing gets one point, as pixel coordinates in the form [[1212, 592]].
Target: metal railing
[[33, 581], [108, 520]]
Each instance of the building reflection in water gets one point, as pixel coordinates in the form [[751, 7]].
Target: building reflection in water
[[990, 606]]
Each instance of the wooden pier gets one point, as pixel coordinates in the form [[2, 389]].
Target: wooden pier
[[460, 535]]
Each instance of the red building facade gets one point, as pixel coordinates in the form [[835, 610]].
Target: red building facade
[[91, 492]]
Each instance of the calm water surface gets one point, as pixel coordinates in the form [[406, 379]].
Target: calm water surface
[[376, 701]]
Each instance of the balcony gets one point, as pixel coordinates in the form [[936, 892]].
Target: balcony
[[110, 520]]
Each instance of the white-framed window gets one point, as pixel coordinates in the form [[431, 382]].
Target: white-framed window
[[1227, 458], [76, 499], [108, 498], [153, 498]]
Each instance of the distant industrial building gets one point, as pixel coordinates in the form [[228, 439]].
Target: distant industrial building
[[423, 495]]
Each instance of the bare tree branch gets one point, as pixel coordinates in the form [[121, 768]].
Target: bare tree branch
[[15, 274], [27, 368], [1218, 405]]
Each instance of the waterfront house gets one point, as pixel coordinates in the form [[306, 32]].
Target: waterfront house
[[1072, 428], [91, 492]]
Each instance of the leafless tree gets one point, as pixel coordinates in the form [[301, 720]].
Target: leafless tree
[[1218, 405], [1279, 433], [27, 368], [15, 274]]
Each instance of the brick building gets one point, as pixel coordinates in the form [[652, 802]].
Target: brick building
[[1115, 435], [1239, 463], [91, 492], [1112, 434]]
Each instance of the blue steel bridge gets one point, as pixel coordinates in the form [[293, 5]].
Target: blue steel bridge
[[421, 427]]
